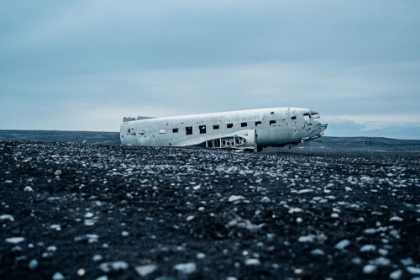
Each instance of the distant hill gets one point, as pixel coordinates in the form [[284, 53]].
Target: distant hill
[[91, 137], [326, 143]]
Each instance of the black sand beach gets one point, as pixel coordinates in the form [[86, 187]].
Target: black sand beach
[[336, 208]]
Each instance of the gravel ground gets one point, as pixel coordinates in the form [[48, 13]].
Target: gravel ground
[[81, 211]]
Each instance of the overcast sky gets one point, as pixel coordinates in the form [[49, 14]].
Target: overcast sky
[[84, 65]]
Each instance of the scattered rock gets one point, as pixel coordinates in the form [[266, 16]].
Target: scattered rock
[[369, 269], [113, 266], [252, 262], [15, 240], [233, 198], [145, 270], [342, 244], [186, 268]]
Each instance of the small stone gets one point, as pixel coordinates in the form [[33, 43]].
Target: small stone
[[295, 210], [145, 270], [381, 261], [201, 256], [58, 276], [113, 266], [368, 269], [407, 261], [190, 218], [252, 262], [298, 271], [186, 268], [396, 274], [299, 220], [97, 258], [197, 187], [15, 240], [104, 277], [383, 252], [370, 231], [396, 219], [334, 215], [52, 248], [89, 223], [368, 248], [265, 200], [33, 264], [308, 238], [125, 233], [57, 173], [348, 189], [8, 181], [7, 217], [317, 252], [356, 261], [233, 198], [89, 215], [413, 270], [342, 244], [28, 189], [81, 272], [305, 191]]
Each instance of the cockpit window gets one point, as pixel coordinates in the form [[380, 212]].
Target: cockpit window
[[306, 116], [315, 116]]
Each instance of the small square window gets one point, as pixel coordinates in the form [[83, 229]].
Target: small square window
[[215, 126], [229, 125], [188, 130], [162, 131], [175, 130], [258, 123], [244, 124], [202, 129], [272, 122], [294, 118]]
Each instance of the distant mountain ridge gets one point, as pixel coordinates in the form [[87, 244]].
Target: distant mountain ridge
[[112, 138]]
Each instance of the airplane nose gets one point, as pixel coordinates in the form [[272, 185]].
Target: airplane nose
[[316, 132]]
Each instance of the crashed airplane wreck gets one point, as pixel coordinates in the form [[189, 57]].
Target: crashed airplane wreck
[[247, 130]]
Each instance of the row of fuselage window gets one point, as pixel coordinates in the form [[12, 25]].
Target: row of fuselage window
[[203, 128]]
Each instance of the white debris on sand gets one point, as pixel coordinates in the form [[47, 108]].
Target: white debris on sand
[[7, 217], [396, 274], [15, 240], [252, 262], [368, 248], [145, 270], [342, 244], [396, 219], [186, 268], [234, 198], [308, 238], [265, 200], [58, 276], [368, 269], [113, 266]]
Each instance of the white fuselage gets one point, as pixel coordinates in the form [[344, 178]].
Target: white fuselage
[[273, 127]]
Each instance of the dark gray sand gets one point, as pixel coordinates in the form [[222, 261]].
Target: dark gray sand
[[84, 211]]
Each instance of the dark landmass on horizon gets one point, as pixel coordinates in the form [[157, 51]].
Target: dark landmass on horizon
[[324, 143]]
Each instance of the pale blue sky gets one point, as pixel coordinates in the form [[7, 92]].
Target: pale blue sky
[[83, 65]]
